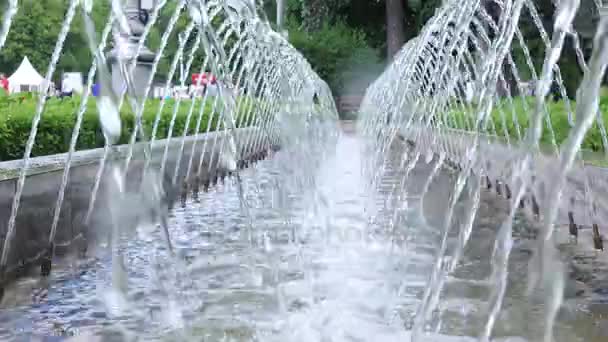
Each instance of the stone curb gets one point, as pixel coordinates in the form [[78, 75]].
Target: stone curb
[[30, 245]]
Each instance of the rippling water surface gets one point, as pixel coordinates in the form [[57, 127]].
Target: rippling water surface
[[306, 266]]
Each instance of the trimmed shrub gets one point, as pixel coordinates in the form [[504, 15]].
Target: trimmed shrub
[[59, 117], [558, 114]]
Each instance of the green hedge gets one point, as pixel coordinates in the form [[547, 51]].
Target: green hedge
[[59, 116], [339, 54], [557, 112]]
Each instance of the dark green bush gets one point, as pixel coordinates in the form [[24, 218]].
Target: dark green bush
[[59, 117], [333, 51]]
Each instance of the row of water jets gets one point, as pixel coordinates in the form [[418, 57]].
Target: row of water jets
[[414, 97], [239, 48], [419, 95]]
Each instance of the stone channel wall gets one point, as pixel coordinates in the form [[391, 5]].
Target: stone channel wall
[[30, 245], [577, 210]]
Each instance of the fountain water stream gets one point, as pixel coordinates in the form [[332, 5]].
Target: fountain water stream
[[262, 261], [421, 96], [260, 77]]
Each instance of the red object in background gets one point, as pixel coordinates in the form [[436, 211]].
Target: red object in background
[[204, 79], [4, 83]]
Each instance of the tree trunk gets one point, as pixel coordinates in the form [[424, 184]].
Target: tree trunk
[[395, 36]]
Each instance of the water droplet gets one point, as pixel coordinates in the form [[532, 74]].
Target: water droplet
[[145, 231], [267, 243], [195, 13], [565, 14], [428, 156], [115, 302], [118, 179], [109, 118], [88, 5], [173, 315], [257, 278], [228, 162]]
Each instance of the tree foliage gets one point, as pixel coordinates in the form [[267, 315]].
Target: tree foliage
[[337, 53], [346, 40], [318, 13], [334, 35], [37, 25]]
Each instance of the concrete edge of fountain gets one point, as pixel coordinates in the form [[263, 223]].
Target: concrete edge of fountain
[[37, 165], [574, 210], [586, 266], [31, 247]]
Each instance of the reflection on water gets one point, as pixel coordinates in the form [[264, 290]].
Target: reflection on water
[[316, 269]]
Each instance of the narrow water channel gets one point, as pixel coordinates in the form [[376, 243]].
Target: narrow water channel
[[306, 265]]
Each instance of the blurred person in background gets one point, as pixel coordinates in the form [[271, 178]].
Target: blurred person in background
[[4, 83], [66, 88], [555, 92]]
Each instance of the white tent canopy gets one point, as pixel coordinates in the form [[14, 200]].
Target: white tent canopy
[[26, 78]]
